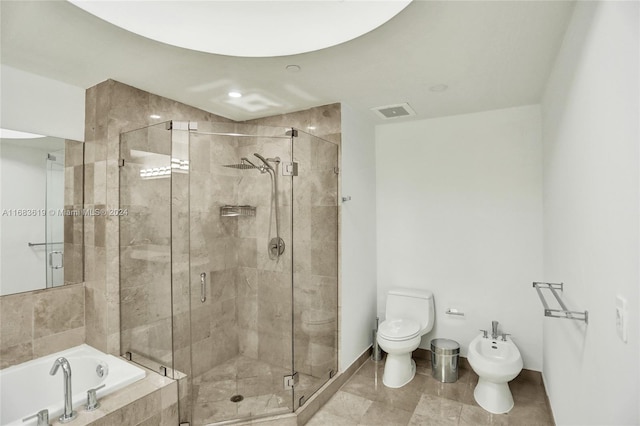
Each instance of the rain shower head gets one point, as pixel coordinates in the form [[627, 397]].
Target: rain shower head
[[243, 165]]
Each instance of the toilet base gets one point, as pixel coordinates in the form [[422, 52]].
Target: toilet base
[[496, 398], [398, 370]]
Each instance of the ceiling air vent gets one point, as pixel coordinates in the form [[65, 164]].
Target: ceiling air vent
[[388, 112]]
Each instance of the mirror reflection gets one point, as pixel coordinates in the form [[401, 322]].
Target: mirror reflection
[[41, 189]]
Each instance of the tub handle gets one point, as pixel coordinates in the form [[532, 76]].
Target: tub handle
[[43, 417], [203, 287], [92, 398]]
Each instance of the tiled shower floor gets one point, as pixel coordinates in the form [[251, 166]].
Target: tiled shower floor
[[260, 384], [364, 400]]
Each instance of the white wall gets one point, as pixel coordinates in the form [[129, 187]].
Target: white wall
[[358, 233], [591, 131], [459, 204], [35, 104]]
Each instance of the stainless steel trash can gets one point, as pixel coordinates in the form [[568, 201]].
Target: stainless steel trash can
[[444, 360]]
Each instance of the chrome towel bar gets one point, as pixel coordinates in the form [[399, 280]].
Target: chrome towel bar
[[43, 244], [558, 313]]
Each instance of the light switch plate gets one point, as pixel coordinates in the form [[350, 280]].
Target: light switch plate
[[621, 318]]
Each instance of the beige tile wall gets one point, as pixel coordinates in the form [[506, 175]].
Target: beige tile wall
[[73, 201], [39, 323]]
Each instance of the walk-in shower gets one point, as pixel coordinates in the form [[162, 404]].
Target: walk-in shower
[[253, 331]]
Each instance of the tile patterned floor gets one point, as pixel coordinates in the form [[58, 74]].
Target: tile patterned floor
[[364, 400]]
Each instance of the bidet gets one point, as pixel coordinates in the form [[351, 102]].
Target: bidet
[[496, 362]]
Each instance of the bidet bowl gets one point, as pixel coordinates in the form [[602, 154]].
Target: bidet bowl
[[494, 359], [496, 362]]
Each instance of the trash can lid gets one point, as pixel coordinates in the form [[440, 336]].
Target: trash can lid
[[445, 347]]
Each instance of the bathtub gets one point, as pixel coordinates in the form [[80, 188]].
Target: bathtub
[[28, 388]]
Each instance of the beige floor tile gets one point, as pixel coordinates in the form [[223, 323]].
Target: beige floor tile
[[406, 397], [423, 366], [459, 391], [347, 405], [324, 418], [385, 415], [422, 420], [439, 408], [426, 401], [530, 413]]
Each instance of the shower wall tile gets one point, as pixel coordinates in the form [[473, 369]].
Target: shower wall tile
[[324, 223], [326, 119], [324, 258], [54, 313], [58, 342], [16, 315], [39, 323]]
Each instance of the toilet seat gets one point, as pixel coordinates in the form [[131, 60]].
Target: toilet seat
[[399, 329]]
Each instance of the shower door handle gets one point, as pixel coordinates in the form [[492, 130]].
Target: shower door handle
[[203, 287]]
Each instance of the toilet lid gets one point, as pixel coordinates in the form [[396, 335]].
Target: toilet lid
[[399, 329]]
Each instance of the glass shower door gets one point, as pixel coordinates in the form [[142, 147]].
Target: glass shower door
[[241, 272], [315, 263], [145, 247]]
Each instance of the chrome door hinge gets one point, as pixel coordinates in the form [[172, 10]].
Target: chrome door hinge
[[292, 132], [121, 162], [336, 170], [289, 168], [291, 380]]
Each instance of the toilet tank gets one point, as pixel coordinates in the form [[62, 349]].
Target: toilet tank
[[411, 303]]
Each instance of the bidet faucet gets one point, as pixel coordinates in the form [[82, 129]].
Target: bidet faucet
[[68, 413], [494, 329]]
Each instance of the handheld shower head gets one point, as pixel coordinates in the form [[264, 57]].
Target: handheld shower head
[[265, 161]]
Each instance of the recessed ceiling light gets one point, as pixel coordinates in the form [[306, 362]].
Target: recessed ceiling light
[[155, 116], [293, 68], [438, 88], [235, 94]]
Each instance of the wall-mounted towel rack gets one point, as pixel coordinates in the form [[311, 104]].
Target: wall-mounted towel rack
[[559, 313], [43, 244]]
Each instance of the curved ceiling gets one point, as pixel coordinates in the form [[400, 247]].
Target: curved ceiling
[[489, 54], [247, 28]]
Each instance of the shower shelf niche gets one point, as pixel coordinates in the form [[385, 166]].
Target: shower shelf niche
[[234, 211]]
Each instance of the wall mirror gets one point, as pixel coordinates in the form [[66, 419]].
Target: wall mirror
[[41, 216]]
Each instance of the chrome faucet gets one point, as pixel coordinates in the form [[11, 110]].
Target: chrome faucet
[[494, 329], [68, 413]]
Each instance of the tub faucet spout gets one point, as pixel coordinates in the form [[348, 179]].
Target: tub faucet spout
[[494, 329], [68, 413]]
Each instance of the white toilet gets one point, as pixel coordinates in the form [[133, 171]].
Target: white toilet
[[496, 361], [409, 316]]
